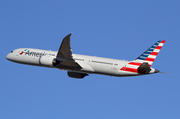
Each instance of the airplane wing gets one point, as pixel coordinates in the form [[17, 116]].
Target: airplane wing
[[65, 48], [65, 53]]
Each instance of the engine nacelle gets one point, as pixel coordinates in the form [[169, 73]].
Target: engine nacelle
[[76, 75], [47, 61]]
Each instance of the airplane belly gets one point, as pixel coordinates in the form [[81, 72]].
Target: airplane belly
[[35, 60], [86, 68], [104, 69]]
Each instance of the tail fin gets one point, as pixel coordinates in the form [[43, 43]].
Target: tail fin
[[150, 54], [140, 65]]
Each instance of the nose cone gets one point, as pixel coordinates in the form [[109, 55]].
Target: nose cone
[[9, 56]]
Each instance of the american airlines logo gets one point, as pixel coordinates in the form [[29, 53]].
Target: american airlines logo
[[30, 53], [23, 52]]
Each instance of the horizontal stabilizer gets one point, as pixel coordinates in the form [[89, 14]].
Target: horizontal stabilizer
[[144, 68]]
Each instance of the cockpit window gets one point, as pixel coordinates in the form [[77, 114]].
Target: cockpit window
[[11, 51]]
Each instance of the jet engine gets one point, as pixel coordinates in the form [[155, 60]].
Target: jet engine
[[47, 61], [76, 75]]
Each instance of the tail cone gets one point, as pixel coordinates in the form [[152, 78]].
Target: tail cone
[[156, 71]]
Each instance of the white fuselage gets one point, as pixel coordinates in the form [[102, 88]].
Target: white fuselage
[[89, 64]]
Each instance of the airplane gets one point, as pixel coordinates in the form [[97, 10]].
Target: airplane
[[79, 66]]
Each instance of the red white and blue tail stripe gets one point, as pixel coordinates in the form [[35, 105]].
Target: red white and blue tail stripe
[[150, 54], [148, 57]]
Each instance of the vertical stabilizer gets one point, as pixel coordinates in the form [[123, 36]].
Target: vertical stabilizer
[[140, 65], [150, 54]]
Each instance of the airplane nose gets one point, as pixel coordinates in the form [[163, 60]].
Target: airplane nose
[[9, 56]]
